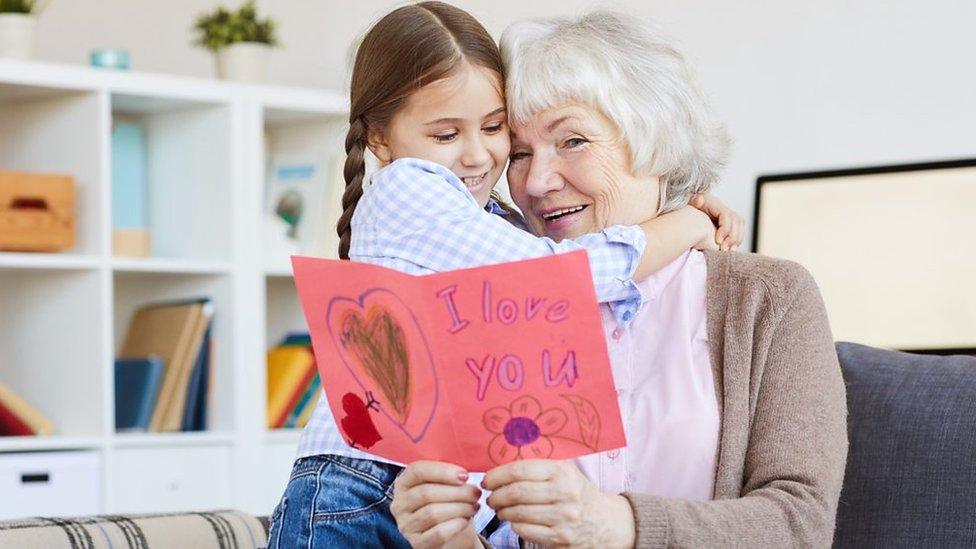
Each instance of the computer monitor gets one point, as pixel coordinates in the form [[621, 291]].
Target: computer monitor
[[892, 248]]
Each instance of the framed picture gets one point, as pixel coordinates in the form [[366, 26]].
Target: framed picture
[[892, 248], [303, 193]]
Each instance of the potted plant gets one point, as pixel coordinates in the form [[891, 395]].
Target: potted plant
[[17, 22], [241, 42]]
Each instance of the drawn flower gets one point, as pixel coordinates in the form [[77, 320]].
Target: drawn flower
[[522, 430]]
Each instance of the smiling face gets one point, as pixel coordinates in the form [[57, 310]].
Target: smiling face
[[570, 174], [458, 122]]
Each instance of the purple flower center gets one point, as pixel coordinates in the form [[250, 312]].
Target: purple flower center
[[520, 431]]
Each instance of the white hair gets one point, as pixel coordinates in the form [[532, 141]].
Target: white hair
[[636, 78]]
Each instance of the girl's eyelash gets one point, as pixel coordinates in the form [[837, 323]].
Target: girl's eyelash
[[445, 138], [494, 128]]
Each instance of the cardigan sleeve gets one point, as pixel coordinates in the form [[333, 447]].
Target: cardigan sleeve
[[797, 443]]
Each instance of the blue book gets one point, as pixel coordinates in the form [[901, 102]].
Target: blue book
[[297, 338], [195, 411], [136, 388]]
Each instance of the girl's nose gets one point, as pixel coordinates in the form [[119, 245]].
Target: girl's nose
[[475, 153]]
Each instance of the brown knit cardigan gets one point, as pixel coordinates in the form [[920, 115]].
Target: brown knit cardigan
[[783, 440]]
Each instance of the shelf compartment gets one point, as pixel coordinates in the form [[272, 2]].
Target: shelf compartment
[[149, 480], [279, 457], [303, 164], [284, 310], [188, 174], [51, 353], [132, 290], [51, 484], [48, 130]]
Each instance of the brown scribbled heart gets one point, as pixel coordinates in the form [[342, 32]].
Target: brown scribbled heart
[[378, 343]]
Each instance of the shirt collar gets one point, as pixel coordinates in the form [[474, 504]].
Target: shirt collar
[[493, 207]]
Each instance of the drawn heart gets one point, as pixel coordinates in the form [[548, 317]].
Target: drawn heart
[[385, 350]]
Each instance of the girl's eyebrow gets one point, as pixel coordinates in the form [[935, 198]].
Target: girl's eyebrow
[[499, 110]]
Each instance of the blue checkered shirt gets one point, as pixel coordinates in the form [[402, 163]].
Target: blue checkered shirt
[[417, 217]]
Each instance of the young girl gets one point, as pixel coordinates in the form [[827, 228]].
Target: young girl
[[427, 101]]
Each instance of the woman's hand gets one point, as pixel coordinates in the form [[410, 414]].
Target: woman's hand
[[433, 505], [551, 503], [731, 226]]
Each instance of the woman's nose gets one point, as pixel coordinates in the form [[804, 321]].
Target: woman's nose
[[542, 178]]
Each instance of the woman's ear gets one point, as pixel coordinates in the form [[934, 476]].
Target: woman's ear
[[378, 145]]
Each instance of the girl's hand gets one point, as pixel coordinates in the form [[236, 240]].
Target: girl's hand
[[433, 505], [706, 230], [551, 503], [731, 226]]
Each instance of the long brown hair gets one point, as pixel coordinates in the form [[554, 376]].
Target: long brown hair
[[404, 51]]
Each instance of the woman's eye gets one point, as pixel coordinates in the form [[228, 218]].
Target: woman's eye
[[446, 137], [518, 156], [492, 129], [574, 142]]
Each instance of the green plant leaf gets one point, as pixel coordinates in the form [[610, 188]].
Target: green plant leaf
[[222, 27], [16, 6]]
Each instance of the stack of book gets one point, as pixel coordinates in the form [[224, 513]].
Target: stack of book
[[293, 384], [162, 375], [19, 418]]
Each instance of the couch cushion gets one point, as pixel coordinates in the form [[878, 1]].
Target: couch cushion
[[911, 469], [217, 529]]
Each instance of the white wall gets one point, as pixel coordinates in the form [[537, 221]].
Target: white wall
[[802, 85]]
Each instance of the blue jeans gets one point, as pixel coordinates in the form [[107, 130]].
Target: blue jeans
[[336, 501]]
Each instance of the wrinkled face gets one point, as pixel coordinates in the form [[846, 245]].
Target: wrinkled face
[[458, 122], [570, 174]]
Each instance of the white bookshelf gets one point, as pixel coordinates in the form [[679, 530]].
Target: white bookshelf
[[63, 315]]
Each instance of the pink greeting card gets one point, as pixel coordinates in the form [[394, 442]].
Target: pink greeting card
[[476, 367]]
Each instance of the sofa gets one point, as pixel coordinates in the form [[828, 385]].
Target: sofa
[[911, 467], [910, 479], [205, 530]]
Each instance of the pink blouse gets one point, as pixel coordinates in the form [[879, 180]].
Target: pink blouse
[[665, 389]]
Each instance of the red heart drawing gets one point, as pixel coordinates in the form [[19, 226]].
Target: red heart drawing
[[385, 350]]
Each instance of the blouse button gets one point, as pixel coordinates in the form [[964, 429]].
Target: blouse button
[[617, 332], [612, 454]]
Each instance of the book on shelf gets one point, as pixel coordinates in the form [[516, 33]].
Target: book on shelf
[[291, 370], [173, 418], [136, 387], [306, 414], [195, 411], [177, 332], [19, 417], [307, 402]]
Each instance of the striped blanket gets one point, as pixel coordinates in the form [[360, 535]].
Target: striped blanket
[[215, 529]]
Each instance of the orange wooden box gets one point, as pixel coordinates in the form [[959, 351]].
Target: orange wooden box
[[37, 212]]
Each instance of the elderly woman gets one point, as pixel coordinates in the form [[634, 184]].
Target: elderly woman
[[728, 383]]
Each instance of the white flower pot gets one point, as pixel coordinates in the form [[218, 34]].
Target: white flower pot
[[244, 62], [17, 35]]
